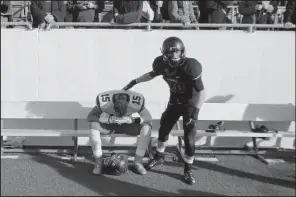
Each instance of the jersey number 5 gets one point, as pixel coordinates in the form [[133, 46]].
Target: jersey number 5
[[105, 98], [136, 100]]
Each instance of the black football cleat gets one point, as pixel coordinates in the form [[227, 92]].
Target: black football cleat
[[154, 162], [188, 177]]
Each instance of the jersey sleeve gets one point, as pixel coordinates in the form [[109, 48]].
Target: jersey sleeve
[[157, 66], [195, 69]]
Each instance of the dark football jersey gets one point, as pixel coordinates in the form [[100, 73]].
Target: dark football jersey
[[180, 79]]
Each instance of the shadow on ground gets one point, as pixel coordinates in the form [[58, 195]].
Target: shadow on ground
[[80, 172]]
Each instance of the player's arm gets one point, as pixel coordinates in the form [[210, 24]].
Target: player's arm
[[145, 77], [198, 87], [145, 117], [201, 94], [95, 114], [98, 115]]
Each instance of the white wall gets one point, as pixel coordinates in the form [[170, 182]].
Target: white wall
[[74, 65]]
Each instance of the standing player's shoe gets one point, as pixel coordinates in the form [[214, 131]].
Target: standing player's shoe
[[188, 177], [139, 168], [154, 162], [98, 167]]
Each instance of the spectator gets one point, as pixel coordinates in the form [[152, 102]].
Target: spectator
[[85, 11], [196, 10], [248, 10], [214, 11], [232, 13], [45, 13], [267, 12], [156, 6], [258, 12], [127, 11], [165, 11], [147, 12], [6, 15], [181, 12], [281, 3], [290, 14]]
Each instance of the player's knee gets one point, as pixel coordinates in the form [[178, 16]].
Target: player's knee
[[95, 126], [146, 129]]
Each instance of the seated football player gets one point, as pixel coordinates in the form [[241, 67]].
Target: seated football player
[[113, 113]]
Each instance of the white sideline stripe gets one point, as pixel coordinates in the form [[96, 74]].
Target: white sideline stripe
[[206, 159], [9, 156], [131, 158], [69, 158], [275, 160]]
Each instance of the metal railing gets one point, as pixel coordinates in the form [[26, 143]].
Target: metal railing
[[149, 26], [27, 24]]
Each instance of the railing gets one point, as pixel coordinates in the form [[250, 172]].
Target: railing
[[148, 26], [27, 24]]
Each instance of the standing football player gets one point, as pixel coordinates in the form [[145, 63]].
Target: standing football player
[[113, 113], [183, 75]]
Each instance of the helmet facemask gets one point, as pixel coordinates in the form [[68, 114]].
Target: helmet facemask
[[174, 58]]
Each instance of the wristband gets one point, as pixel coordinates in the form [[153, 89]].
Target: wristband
[[138, 120]]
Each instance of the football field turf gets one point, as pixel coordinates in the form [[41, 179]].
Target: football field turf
[[53, 175]]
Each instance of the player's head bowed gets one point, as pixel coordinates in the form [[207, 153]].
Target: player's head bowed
[[120, 104], [173, 51]]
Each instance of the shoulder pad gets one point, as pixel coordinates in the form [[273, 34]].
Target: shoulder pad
[[105, 99], [136, 102]]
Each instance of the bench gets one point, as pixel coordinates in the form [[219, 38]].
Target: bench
[[210, 113]]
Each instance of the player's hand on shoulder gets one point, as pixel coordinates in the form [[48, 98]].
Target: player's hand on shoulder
[[130, 85]]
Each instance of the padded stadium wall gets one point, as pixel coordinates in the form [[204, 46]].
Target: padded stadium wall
[[69, 67]]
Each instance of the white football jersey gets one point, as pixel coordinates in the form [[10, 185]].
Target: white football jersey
[[105, 101]]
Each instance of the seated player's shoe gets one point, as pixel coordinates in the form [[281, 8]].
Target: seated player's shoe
[[154, 162], [98, 167], [139, 168], [188, 177]]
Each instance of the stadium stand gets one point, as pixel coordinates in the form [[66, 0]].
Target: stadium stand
[[21, 13]]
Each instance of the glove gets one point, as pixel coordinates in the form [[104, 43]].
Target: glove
[[124, 120], [193, 118], [130, 85], [191, 124], [120, 120]]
